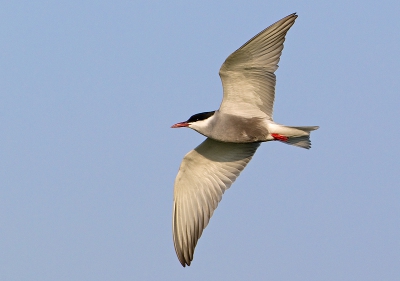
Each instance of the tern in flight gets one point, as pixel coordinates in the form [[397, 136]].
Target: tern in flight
[[234, 132]]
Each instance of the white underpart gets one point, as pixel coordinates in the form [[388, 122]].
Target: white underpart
[[286, 131], [202, 126]]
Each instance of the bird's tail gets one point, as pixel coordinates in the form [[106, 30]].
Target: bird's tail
[[297, 136]]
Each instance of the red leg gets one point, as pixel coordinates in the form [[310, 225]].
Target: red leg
[[279, 137]]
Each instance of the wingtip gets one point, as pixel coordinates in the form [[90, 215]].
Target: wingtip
[[184, 262], [293, 15]]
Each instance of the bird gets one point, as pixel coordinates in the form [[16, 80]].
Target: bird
[[234, 132]]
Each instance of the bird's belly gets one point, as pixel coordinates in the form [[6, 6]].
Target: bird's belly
[[240, 130]]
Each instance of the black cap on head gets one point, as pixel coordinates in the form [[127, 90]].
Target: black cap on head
[[200, 116]]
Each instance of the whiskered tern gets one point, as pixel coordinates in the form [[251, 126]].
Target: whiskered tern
[[234, 132]]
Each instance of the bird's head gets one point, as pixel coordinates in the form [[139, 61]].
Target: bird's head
[[196, 122]]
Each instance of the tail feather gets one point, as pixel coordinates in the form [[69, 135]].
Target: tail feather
[[297, 136], [303, 141], [305, 128]]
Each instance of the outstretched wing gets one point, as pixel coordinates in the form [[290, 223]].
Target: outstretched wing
[[248, 75], [204, 175]]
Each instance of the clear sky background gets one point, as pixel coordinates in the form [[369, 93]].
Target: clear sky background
[[89, 90]]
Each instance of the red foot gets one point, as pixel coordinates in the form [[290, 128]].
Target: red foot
[[279, 137]]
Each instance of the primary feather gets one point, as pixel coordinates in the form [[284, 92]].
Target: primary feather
[[204, 175]]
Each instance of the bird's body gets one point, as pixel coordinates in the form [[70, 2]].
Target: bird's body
[[234, 132], [237, 129]]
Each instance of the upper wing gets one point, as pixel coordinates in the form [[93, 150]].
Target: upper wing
[[204, 175], [248, 75]]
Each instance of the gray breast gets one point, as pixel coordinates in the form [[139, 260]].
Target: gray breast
[[231, 128]]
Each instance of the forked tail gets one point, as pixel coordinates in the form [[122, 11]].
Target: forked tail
[[297, 136]]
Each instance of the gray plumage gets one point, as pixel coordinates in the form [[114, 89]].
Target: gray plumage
[[234, 132]]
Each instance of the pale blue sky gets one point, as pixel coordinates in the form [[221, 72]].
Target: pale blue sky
[[89, 90]]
